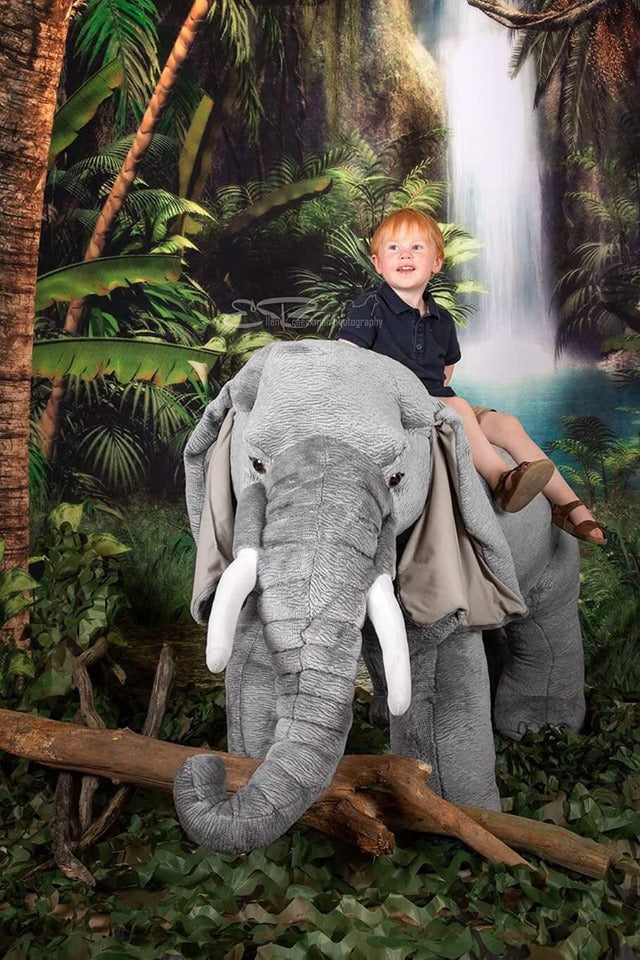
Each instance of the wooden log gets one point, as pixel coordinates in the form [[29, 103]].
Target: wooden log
[[346, 810]]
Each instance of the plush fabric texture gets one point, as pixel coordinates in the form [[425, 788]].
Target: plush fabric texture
[[355, 452], [456, 569]]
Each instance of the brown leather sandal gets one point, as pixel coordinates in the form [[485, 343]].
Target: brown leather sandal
[[560, 516], [527, 481]]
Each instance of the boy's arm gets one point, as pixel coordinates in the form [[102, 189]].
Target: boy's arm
[[448, 373]]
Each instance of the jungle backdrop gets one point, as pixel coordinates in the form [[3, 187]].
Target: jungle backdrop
[[288, 133]]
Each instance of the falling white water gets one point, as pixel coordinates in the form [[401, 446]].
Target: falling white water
[[495, 194]]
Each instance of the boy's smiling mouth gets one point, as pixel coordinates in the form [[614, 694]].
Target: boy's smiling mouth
[[405, 268]]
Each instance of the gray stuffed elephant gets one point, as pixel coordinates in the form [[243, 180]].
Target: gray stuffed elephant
[[305, 474]]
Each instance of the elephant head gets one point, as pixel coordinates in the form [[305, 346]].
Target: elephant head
[[330, 460]]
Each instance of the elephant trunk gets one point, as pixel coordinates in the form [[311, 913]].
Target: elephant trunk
[[320, 553]]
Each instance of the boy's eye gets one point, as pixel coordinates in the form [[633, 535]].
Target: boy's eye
[[417, 246]]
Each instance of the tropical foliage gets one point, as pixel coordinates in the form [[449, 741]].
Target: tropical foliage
[[599, 294], [124, 32], [304, 896], [252, 238], [591, 63], [604, 465], [610, 604], [365, 190]]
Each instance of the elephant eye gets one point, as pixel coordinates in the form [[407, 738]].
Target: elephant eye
[[395, 479], [258, 465]]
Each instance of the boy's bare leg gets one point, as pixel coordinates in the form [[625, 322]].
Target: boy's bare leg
[[487, 462], [506, 431]]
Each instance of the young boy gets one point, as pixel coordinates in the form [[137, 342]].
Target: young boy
[[401, 320]]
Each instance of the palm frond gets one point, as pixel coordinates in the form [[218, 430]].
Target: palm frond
[[126, 31], [574, 96], [158, 409], [39, 467], [113, 453], [159, 206], [271, 32], [334, 157]]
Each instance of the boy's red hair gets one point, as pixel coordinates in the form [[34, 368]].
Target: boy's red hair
[[401, 221]]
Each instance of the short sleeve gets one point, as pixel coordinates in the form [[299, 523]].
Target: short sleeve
[[453, 353], [362, 321]]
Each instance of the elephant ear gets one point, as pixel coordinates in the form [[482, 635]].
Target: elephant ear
[[456, 567], [209, 493]]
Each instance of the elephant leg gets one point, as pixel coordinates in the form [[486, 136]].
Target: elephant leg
[[449, 721], [250, 688], [542, 681]]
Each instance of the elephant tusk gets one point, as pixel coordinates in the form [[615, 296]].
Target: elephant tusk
[[386, 616], [236, 583]]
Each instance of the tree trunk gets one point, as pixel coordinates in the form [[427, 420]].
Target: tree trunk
[[50, 421], [31, 51], [348, 810]]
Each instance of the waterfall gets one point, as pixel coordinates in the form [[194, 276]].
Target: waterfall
[[495, 192]]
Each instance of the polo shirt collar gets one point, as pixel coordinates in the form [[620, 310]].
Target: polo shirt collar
[[397, 305]]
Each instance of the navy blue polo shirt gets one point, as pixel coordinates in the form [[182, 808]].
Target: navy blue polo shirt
[[425, 343]]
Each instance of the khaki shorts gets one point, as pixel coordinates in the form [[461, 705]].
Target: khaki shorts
[[480, 412]]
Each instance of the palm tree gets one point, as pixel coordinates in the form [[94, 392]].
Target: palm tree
[[50, 422], [31, 52], [588, 50]]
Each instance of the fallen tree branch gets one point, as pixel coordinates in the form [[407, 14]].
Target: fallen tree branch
[[91, 718], [90, 832], [348, 809], [63, 856], [562, 19]]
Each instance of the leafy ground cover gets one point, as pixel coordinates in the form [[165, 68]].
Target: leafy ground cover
[[305, 897]]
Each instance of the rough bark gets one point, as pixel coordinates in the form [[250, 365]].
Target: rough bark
[[558, 19], [50, 421], [365, 68], [346, 810], [31, 52]]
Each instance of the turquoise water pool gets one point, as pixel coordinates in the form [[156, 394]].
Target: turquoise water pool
[[540, 402]]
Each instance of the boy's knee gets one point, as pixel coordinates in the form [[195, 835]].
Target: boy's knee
[[508, 424]]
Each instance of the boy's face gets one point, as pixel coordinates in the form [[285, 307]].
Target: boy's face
[[407, 261]]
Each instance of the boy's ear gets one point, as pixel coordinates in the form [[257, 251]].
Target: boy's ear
[[374, 261], [437, 266]]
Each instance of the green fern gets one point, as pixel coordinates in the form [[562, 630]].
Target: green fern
[[610, 603], [584, 291], [607, 464]]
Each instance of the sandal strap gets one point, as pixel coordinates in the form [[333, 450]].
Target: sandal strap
[[501, 495], [581, 530], [561, 511]]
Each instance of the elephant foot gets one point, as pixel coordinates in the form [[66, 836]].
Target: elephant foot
[[516, 713]]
